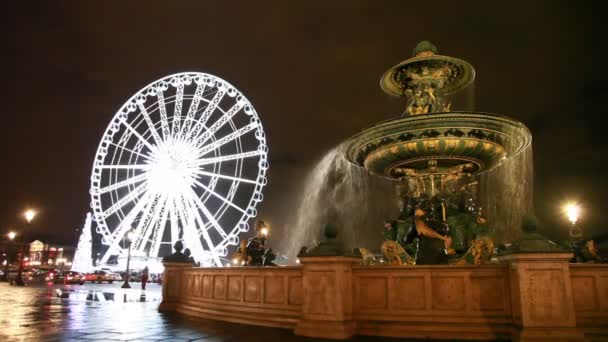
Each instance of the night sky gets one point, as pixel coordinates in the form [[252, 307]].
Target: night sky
[[311, 69]]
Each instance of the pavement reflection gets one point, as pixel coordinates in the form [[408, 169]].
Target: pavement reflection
[[46, 312]]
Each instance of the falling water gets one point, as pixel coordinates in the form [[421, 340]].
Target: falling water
[[506, 194], [344, 194]]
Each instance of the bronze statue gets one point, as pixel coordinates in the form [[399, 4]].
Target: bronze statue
[[433, 247]]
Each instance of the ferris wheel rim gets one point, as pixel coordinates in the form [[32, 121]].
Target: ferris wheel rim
[[121, 117]]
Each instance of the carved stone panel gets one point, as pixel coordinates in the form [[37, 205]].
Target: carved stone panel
[[409, 293], [584, 292], [207, 286], [219, 286], [488, 293], [295, 290], [448, 293], [546, 298], [235, 288], [319, 287], [253, 289], [274, 290], [196, 286], [372, 293]]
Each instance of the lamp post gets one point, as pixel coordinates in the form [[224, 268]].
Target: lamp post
[[11, 236], [29, 216], [130, 236], [573, 211]]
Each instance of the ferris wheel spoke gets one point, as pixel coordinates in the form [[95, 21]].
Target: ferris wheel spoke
[[178, 108], [146, 116], [133, 195], [144, 218], [196, 99], [192, 199], [207, 161], [216, 125], [222, 198], [191, 235], [162, 107], [129, 150], [211, 106], [174, 223], [126, 167], [136, 133], [201, 206], [160, 228], [149, 228], [129, 181], [123, 227], [228, 138], [219, 175]]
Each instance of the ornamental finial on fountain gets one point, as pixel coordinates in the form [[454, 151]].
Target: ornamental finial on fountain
[[424, 49], [427, 79]]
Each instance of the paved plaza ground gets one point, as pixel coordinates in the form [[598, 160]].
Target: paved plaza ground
[[82, 313]]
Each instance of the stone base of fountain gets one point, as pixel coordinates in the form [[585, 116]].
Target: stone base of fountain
[[529, 296]]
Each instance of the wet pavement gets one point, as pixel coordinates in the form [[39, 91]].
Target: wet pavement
[[89, 313]]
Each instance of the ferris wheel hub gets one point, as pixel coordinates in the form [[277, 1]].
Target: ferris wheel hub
[[171, 169]]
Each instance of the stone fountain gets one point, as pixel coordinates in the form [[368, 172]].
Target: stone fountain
[[434, 152]]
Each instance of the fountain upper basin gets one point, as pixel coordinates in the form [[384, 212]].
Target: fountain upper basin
[[437, 143]]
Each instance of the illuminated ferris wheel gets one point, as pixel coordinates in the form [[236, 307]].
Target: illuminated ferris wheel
[[184, 159]]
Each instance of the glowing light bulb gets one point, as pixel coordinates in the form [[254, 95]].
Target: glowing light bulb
[[573, 211], [29, 215], [264, 231], [11, 235]]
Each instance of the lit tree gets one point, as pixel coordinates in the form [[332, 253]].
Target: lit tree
[[82, 259]]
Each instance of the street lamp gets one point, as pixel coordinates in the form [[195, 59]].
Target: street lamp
[[130, 237], [29, 215], [11, 236], [573, 212]]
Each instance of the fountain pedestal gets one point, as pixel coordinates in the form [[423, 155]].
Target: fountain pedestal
[[327, 308], [541, 296], [172, 284]]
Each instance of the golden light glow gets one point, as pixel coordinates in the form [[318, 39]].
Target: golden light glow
[[264, 231], [29, 215], [235, 261], [11, 235], [572, 211]]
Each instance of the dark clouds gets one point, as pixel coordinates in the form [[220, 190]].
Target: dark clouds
[[310, 68]]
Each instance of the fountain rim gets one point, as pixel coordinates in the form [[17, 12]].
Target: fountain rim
[[354, 142]]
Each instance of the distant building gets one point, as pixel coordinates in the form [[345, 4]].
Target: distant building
[[42, 254]]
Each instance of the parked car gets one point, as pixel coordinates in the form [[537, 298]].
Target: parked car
[[66, 277], [92, 277], [106, 276], [135, 277]]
